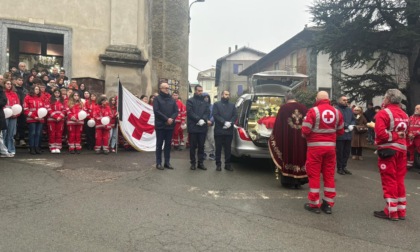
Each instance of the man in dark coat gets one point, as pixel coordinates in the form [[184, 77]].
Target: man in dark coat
[[3, 125], [343, 142], [21, 121], [224, 115], [165, 110], [3, 102], [370, 115], [198, 112]]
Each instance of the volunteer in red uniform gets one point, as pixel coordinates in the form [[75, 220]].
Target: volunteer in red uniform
[[8, 134], [74, 125], [320, 127], [390, 129], [31, 104], [177, 137], [102, 131], [413, 135], [55, 121]]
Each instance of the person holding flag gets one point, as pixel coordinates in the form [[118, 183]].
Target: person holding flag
[[165, 110]]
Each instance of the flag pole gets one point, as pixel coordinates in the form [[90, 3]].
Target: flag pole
[[118, 118]]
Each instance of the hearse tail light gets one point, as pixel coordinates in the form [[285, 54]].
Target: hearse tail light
[[243, 135]]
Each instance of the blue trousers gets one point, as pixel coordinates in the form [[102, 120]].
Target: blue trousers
[[9, 133], [35, 131]]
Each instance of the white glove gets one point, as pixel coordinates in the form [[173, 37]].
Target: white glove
[[201, 122], [228, 125], [350, 127], [183, 126]]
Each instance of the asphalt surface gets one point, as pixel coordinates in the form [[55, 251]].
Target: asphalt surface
[[120, 202]]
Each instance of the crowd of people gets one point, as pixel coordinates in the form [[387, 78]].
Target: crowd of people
[[49, 104], [305, 143], [205, 123], [326, 135]]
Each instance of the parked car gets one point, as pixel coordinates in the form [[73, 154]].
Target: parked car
[[258, 109]]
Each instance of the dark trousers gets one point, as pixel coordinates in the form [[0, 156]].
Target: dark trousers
[[224, 141], [21, 127], [90, 136], [356, 151], [163, 136], [343, 152], [197, 141]]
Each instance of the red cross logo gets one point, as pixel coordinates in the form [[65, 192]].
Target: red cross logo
[[140, 125], [401, 126], [328, 116]]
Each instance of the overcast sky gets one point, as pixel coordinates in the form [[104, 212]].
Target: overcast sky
[[263, 25]]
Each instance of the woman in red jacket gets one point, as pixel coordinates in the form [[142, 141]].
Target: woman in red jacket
[[9, 133], [102, 131], [74, 125], [55, 121], [114, 123], [31, 105]]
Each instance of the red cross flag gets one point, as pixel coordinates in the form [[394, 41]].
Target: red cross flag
[[137, 121]]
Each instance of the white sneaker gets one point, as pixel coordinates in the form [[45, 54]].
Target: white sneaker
[[57, 151], [53, 151], [22, 142], [7, 155]]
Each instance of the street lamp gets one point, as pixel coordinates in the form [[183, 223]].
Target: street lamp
[[189, 11]]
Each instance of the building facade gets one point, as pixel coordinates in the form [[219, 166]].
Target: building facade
[[98, 41], [206, 79], [296, 55], [229, 66]]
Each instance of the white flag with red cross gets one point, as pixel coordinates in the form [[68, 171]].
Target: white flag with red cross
[[137, 121]]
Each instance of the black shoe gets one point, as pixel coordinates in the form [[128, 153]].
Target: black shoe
[[159, 167], [38, 150], [168, 166], [32, 151], [192, 167], [341, 172], [326, 208], [347, 171], [218, 168], [72, 152], [229, 168], [201, 167], [312, 209], [382, 215], [78, 151]]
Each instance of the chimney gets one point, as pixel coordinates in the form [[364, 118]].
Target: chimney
[[236, 47], [230, 50]]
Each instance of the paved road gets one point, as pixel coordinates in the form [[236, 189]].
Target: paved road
[[120, 202]]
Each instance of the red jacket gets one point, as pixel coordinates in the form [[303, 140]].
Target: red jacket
[[182, 112], [73, 114], [389, 121], [414, 126], [322, 124], [114, 113], [12, 99], [56, 111], [90, 107], [98, 113], [45, 96], [31, 104]]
